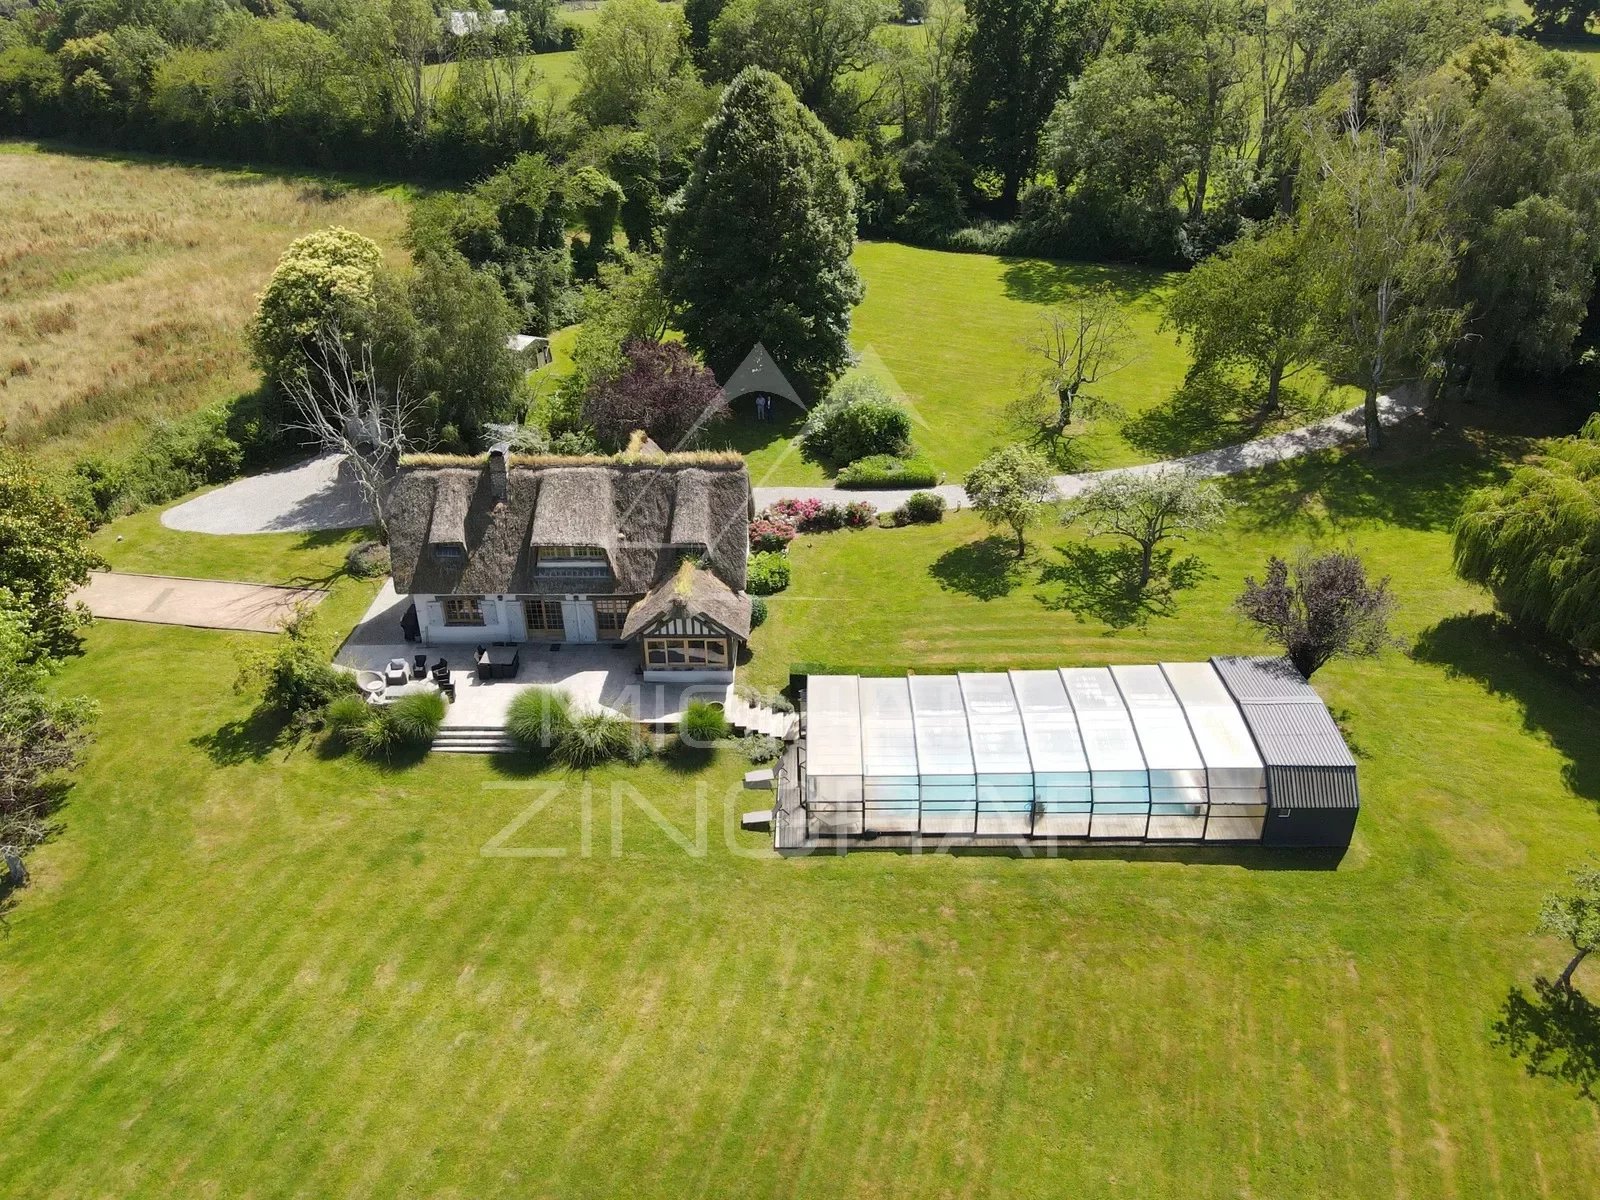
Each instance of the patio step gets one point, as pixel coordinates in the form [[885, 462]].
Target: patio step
[[473, 739], [758, 718]]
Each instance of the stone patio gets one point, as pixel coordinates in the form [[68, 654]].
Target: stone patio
[[595, 676]]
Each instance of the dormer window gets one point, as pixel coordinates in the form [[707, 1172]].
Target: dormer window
[[573, 560], [449, 553]]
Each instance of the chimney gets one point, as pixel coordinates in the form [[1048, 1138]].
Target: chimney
[[498, 483]]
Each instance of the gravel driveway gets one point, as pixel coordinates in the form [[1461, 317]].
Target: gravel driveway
[[306, 497], [316, 494]]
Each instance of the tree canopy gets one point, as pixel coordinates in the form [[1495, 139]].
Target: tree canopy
[[1535, 540], [759, 248], [1010, 490], [634, 49], [660, 390], [1246, 306], [1322, 608], [1148, 508], [44, 559], [324, 279]]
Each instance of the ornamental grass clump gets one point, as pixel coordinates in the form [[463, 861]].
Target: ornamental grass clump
[[592, 739], [703, 723], [538, 719]]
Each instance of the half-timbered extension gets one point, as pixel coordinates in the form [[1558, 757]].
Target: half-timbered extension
[[646, 548]]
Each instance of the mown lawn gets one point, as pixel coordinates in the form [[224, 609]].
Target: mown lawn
[[126, 284], [950, 334], [248, 968]]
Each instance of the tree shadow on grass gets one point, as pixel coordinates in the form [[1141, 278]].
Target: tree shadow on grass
[[1202, 414], [743, 433], [1103, 584], [1554, 1033], [1559, 696], [1050, 281], [1418, 480], [985, 570], [247, 739]]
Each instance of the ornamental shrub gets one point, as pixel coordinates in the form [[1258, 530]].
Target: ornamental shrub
[[761, 748], [418, 716], [886, 471], [858, 419], [538, 717], [758, 612], [593, 738], [923, 508], [702, 724], [769, 534], [858, 514], [810, 515], [768, 573]]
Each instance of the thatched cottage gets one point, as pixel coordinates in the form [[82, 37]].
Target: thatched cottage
[[648, 549]]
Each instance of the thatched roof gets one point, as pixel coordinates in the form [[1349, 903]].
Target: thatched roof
[[452, 499], [643, 513], [575, 508], [691, 591]]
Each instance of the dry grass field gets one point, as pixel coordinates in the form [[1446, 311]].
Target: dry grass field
[[125, 285]]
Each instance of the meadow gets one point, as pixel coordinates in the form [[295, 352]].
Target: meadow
[[249, 966], [126, 284]]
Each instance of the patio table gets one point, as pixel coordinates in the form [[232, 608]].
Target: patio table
[[503, 661]]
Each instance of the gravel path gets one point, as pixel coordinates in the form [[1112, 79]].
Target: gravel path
[[309, 496], [316, 495], [1228, 460]]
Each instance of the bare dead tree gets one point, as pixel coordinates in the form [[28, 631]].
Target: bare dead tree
[[340, 403], [1080, 344]]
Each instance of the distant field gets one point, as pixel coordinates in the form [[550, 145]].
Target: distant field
[[125, 285], [552, 75]]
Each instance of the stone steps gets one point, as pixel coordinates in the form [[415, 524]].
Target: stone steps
[[758, 718], [473, 739]]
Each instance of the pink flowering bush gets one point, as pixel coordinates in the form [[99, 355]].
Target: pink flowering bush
[[799, 513], [768, 533], [858, 514]]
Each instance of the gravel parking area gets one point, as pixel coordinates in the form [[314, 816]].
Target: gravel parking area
[[312, 495]]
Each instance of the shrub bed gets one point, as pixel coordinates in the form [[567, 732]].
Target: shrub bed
[[369, 560], [702, 724], [886, 471], [770, 534], [858, 419], [377, 730], [543, 722]]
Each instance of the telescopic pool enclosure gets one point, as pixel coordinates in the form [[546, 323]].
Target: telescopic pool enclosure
[[1231, 750]]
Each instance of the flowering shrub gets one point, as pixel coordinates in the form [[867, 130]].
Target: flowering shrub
[[813, 516], [858, 514], [770, 534], [796, 512]]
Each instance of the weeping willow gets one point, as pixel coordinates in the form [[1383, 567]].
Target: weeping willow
[[1535, 540]]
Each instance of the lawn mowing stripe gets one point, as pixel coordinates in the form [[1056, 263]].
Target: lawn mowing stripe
[[423, 1073], [741, 1113], [470, 1100], [698, 1082]]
